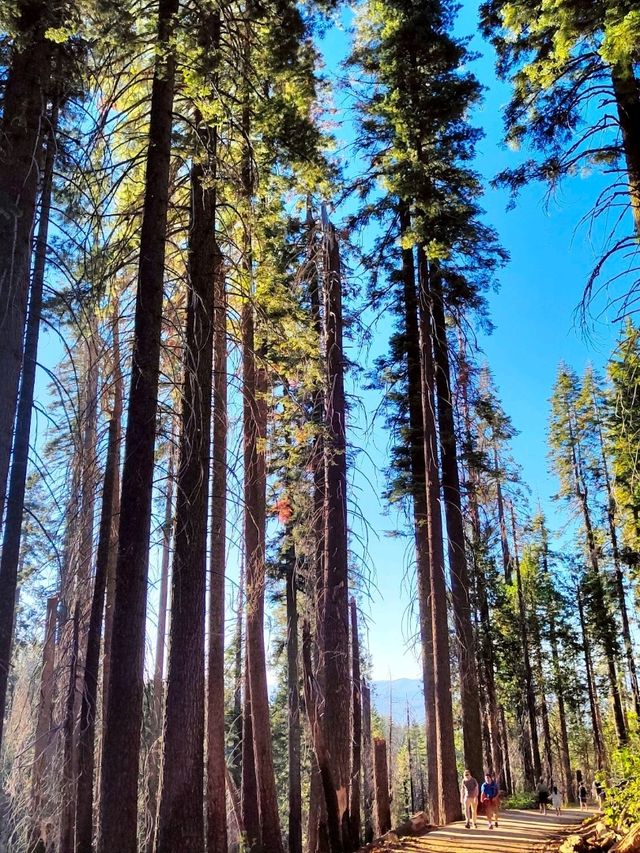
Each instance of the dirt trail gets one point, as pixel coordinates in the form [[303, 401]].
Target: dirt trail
[[517, 832]]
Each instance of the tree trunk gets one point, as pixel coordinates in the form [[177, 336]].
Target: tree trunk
[[181, 811], [529, 692], [625, 90], [44, 729], [12, 534], [412, 795], [335, 630], [331, 835], [594, 707], [88, 712], [22, 131], [293, 703], [508, 778], [153, 761], [582, 494], [255, 433], [367, 763], [249, 791], [66, 844], [419, 496], [460, 587], [381, 772], [356, 726], [237, 727], [615, 549], [448, 794], [110, 592], [123, 716], [216, 761]]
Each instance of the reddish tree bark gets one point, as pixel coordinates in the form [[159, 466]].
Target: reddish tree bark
[[383, 810]]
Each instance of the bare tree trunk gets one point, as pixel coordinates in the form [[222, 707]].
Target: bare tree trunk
[[625, 89], [582, 494], [333, 835], [237, 727], [529, 692], [383, 810], [596, 723], [448, 797], [123, 716], [367, 763], [44, 728], [613, 534], [508, 778], [22, 131], [216, 762], [419, 496], [335, 630], [86, 738], [153, 762], [67, 824], [12, 535], [250, 811], [460, 587], [293, 703], [181, 809], [412, 794], [110, 592], [356, 725]]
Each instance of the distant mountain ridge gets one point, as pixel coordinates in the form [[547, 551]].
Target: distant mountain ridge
[[395, 695]]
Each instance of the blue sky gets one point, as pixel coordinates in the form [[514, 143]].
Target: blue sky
[[536, 326]]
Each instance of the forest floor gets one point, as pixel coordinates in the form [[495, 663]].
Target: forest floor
[[518, 832]]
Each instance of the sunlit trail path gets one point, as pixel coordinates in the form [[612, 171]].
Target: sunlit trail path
[[518, 832]]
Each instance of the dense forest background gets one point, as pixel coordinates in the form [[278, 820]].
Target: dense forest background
[[245, 283]]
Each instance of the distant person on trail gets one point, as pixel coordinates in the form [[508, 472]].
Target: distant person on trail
[[469, 790], [597, 793], [582, 796], [542, 793], [490, 796], [556, 800]]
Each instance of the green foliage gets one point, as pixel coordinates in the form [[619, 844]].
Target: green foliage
[[520, 800], [621, 805]]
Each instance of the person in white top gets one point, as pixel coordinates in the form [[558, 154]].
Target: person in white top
[[469, 790], [556, 800]]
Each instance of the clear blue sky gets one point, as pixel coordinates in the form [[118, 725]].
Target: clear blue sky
[[536, 326]]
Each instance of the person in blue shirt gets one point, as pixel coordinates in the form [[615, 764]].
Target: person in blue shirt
[[490, 796]]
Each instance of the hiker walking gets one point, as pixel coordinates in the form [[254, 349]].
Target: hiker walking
[[556, 800], [542, 793], [469, 790], [582, 796], [490, 797]]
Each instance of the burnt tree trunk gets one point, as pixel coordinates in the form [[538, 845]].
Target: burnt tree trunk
[[12, 534], [123, 713]]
